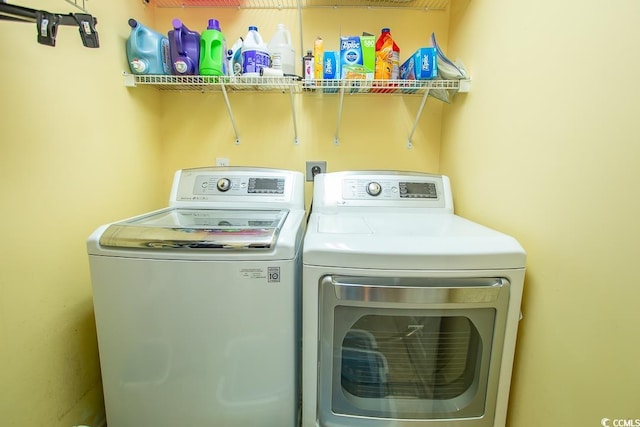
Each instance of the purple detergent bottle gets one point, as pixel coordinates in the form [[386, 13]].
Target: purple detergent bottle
[[184, 48]]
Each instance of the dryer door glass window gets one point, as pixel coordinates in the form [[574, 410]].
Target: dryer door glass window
[[411, 366]]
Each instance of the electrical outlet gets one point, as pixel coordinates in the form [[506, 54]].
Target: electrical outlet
[[222, 161], [314, 168]]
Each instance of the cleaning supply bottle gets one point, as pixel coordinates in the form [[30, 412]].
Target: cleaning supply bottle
[[318, 55], [234, 58], [387, 57], [213, 50], [184, 47], [147, 50], [255, 54], [281, 51], [308, 81]]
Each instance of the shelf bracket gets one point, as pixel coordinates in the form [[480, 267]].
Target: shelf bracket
[[129, 79], [293, 114], [233, 122], [415, 122], [336, 139]]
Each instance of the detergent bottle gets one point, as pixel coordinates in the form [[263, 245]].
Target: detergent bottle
[[184, 48], [147, 50], [255, 54], [213, 50], [387, 57], [282, 51]]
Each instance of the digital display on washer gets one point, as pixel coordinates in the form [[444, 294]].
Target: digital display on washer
[[266, 185], [419, 190]]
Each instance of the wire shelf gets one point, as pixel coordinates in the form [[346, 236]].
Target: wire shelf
[[238, 4], [294, 4], [393, 4], [214, 83], [291, 84], [399, 87]]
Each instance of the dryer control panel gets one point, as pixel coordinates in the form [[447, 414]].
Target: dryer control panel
[[390, 189], [382, 189]]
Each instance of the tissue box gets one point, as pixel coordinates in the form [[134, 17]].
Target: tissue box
[[420, 66], [357, 57]]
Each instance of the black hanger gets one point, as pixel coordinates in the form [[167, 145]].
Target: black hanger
[[47, 23]]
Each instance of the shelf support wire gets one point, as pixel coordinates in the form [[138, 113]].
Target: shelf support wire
[[293, 114], [415, 122], [336, 140], [233, 122], [80, 4]]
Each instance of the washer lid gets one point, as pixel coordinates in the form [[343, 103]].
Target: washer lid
[[198, 229]]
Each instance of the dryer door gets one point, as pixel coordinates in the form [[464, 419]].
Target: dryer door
[[410, 349]]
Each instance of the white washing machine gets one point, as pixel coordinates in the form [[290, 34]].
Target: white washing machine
[[410, 312], [197, 304]]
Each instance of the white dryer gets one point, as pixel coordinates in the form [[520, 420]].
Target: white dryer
[[410, 312], [196, 305]]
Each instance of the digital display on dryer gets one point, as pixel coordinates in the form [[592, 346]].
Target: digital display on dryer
[[419, 190]]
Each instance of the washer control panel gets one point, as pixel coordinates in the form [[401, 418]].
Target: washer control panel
[[206, 186], [237, 185]]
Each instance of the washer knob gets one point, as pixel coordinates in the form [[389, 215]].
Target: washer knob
[[374, 189], [223, 184]]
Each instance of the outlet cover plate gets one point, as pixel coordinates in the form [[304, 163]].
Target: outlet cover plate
[[315, 164], [222, 161]]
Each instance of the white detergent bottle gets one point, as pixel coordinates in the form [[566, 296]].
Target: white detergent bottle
[[255, 54], [282, 51]]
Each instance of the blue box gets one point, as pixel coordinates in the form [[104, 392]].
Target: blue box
[[331, 65], [421, 65], [331, 71]]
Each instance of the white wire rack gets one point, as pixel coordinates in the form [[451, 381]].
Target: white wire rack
[[241, 4], [214, 83], [291, 84], [294, 4], [400, 4]]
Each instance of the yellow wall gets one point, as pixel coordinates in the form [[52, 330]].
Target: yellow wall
[[545, 147], [77, 150]]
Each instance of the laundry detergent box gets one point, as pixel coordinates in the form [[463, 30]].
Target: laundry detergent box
[[357, 57], [421, 65]]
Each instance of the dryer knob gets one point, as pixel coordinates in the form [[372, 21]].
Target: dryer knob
[[223, 184], [374, 189]]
